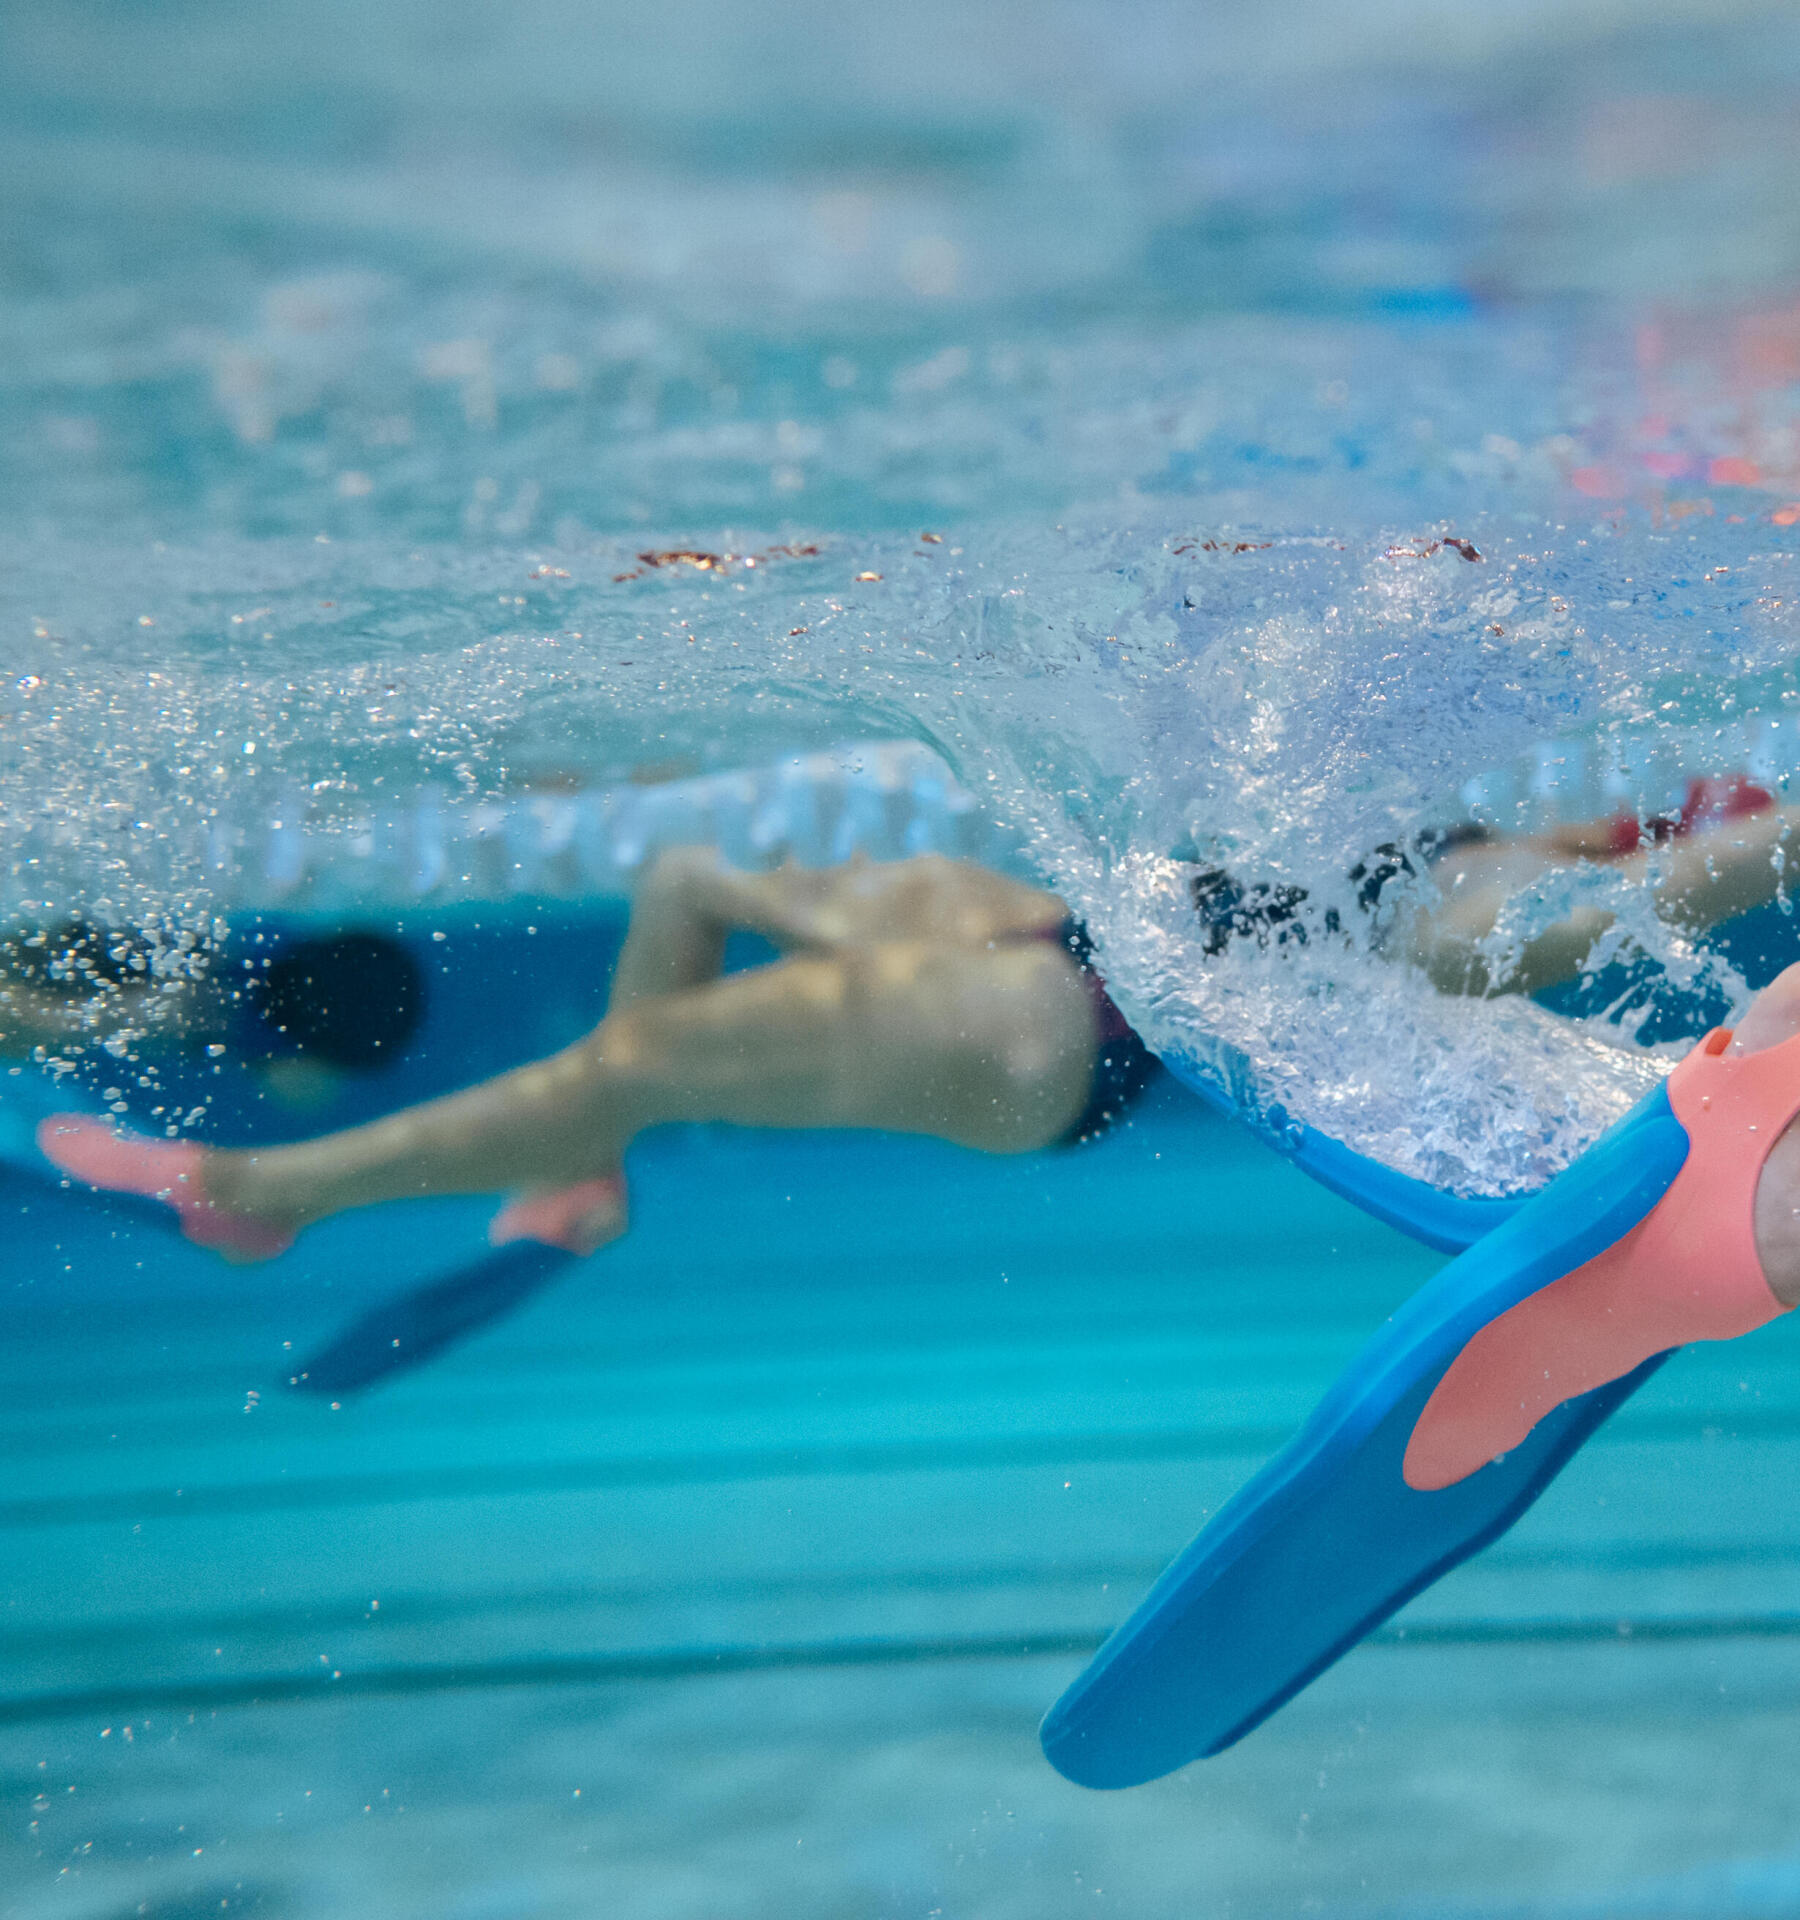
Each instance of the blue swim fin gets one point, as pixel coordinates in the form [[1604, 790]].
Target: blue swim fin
[[1447, 1221], [392, 1337], [1328, 1540]]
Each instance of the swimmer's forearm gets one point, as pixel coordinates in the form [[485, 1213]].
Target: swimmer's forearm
[[1456, 964], [1451, 941], [31, 1018], [1715, 876], [1696, 884]]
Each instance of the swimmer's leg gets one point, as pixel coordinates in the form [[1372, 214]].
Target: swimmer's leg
[[688, 903], [815, 910], [1718, 1256], [992, 1049], [680, 917], [580, 1219], [686, 906], [690, 900], [173, 1171]]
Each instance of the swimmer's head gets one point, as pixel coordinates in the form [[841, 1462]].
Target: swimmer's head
[[349, 1000]]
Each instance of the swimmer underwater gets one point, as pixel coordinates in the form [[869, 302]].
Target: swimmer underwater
[[925, 996]]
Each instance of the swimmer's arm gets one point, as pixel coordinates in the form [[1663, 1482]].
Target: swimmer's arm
[[1712, 877], [1704, 879], [1696, 883], [1447, 943], [34, 1017]]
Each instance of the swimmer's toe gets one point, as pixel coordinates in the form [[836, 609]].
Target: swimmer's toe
[[171, 1171], [579, 1219]]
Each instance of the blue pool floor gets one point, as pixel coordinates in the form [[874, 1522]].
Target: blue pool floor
[[907, 1427]]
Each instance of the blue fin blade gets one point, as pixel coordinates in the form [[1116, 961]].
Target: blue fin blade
[[1328, 1540], [415, 1326], [1448, 1222]]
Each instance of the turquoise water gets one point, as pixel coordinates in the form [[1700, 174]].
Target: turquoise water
[[352, 360]]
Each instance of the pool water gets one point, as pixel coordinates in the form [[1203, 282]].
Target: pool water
[[426, 430]]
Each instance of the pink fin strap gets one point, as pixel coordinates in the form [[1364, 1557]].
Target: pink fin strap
[[172, 1171], [1687, 1271]]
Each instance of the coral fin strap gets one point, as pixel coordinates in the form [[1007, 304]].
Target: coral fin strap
[[1688, 1271]]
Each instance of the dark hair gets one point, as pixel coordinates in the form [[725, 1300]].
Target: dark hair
[[353, 1000]]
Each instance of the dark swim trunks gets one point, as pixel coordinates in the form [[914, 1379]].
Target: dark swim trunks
[[1123, 1066]]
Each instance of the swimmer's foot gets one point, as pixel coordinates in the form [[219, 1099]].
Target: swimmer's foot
[[1716, 1257], [579, 1219], [172, 1171]]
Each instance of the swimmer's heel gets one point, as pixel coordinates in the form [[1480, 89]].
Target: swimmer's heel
[[413, 1327], [1328, 1540]]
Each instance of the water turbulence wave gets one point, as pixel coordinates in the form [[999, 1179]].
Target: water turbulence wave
[[1110, 709]]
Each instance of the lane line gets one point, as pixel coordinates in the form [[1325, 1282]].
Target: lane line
[[949, 1454], [119, 1703], [414, 1610]]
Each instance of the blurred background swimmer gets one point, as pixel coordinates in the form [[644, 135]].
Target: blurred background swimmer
[[302, 1012], [1439, 898]]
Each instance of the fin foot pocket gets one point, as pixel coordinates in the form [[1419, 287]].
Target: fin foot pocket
[[1688, 1271], [171, 1171]]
